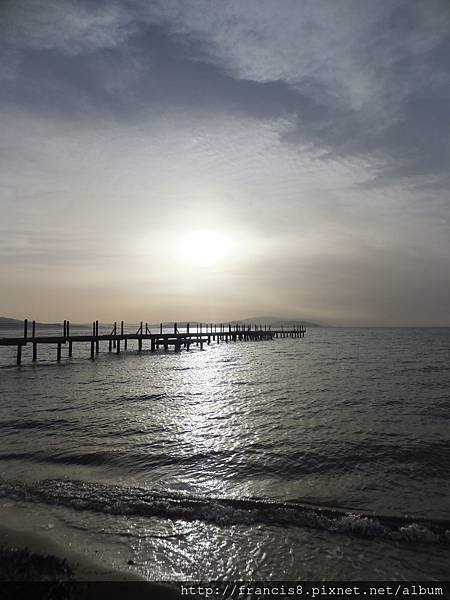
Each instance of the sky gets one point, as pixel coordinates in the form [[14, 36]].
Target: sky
[[219, 159]]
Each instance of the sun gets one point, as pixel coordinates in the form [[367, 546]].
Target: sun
[[203, 247]]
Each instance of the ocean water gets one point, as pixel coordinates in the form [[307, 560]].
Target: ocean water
[[323, 458]]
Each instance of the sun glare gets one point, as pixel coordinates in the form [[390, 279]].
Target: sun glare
[[203, 248]]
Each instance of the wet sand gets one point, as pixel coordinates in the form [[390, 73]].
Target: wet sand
[[27, 557]]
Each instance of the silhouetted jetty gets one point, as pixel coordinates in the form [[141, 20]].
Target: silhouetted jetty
[[196, 334]]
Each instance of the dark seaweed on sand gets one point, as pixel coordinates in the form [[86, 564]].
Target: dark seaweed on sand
[[21, 565]]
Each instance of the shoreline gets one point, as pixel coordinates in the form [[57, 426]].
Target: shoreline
[[28, 558], [81, 568]]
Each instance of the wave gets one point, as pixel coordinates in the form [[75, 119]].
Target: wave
[[429, 459], [140, 398], [15, 424], [224, 512]]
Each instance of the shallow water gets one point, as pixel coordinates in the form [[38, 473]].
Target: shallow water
[[129, 453]]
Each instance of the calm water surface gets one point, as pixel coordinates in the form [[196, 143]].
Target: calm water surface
[[125, 457]]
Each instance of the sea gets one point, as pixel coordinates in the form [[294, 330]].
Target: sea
[[322, 458]]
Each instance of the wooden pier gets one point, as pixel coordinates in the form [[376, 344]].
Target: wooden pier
[[197, 334]]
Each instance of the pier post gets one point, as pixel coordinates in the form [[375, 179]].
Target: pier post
[[70, 348], [118, 346], [187, 327], [115, 333], [152, 345], [141, 330], [160, 329], [64, 329], [58, 353], [25, 329], [92, 350], [33, 335], [68, 328], [97, 342], [19, 354]]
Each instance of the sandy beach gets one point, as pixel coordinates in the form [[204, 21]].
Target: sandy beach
[[27, 557]]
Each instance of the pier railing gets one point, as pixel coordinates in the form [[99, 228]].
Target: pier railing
[[196, 334]]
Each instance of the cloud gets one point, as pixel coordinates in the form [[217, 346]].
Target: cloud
[[317, 132], [353, 78], [69, 26], [354, 49], [370, 77], [65, 26], [359, 54]]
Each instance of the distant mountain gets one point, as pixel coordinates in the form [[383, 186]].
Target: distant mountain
[[272, 321], [276, 322], [5, 322]]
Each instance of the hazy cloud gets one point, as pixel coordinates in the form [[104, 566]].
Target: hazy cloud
[[316, 132]]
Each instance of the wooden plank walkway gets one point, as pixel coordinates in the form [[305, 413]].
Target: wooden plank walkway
[[118, 340]]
